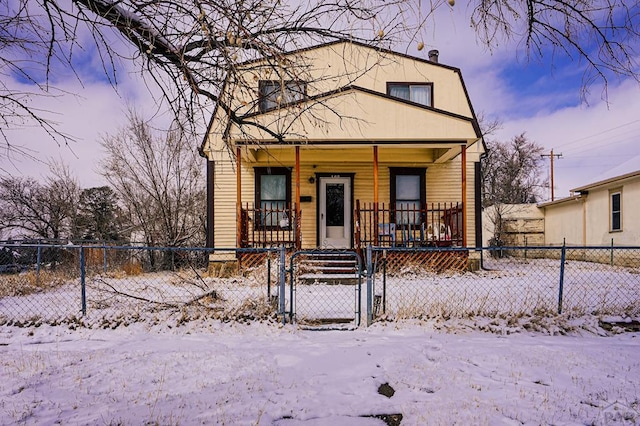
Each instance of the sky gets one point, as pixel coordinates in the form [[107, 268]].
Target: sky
[[539, 97]]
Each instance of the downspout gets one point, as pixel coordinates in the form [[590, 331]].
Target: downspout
[[375, 195], [238, 198], [584, 222], [210, 206], [297, 222], [477, 191], [479, 209]]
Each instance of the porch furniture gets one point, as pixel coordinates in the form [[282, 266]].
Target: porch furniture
[[387, 231], [413, 235], [438, 234]]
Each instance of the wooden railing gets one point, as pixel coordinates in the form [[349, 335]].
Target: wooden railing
[[269, 227], [437, 225]]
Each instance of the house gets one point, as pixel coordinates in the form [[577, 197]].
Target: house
[[513, 225], [344, 145], [601, 213]]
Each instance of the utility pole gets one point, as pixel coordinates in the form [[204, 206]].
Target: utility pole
[[551, 155]]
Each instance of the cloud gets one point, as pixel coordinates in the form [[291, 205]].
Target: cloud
[[87, 113], [592, 138]]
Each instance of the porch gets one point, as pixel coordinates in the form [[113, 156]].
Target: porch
[[376, 224], [386, 225]]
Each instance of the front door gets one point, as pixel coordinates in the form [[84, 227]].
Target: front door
[[335, 212]]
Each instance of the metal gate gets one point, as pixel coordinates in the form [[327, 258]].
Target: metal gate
[[325, 288]]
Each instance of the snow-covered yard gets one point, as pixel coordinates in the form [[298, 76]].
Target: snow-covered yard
[[462, 348], [210, 372]]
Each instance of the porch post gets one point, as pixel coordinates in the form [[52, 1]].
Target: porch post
[[238, 198], [375, 175], [464, 194], [375, 194], [297, 222]]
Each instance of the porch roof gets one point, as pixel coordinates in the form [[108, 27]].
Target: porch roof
[[354, 115]]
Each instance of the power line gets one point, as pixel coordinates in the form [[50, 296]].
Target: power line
[[599, 133]]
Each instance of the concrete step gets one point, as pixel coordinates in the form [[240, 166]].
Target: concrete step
[[328, 268]]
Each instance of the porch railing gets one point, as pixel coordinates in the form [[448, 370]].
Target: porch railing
[[274, 226], [387, 225]]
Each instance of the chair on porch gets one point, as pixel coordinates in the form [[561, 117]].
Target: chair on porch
[[387, 231], [413, 235]]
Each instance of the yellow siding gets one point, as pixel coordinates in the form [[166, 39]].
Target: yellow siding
[[443, 183], [359, 116], [332, 67]]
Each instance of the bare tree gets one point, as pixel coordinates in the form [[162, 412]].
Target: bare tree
[[193, 50], [511, 174], [159, 179], [31, 209]]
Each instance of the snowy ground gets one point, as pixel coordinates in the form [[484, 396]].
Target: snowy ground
[[474, 371]]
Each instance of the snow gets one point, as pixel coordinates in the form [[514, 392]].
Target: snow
[[175, 348], [263, 373]]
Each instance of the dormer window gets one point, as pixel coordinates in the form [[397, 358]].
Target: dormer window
[[274, 93], [420, 93]]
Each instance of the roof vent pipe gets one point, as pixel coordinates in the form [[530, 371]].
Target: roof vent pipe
[[433, 55]]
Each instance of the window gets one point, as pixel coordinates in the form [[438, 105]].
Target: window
[[274, 93], [273, 196], [408, 195], [615, 203], [420, 93]]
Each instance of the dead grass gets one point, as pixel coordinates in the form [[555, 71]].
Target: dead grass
[[30, 282], [132, 268]]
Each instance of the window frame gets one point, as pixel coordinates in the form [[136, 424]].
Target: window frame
[[391, 84], [263, 97], [421, 172], [612, 213], [259, 172]]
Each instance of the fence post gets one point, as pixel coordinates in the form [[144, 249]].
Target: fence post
[[561, 289], [269, 277], [291, 281], [38, 263], [369, 286], [104, 263], [82, 281], [282, 276], [612, 252], [384, 282]]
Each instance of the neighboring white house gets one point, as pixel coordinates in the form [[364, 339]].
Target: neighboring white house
[[601, 213]]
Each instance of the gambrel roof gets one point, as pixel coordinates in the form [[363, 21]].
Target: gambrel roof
[[360, 111]]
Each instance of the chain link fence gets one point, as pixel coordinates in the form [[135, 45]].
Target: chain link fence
[[106, 286], [109, 286], [507, 281]]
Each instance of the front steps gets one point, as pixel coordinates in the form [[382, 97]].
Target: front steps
[[328, 268]]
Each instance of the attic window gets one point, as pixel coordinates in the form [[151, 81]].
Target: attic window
[[420, 93], [274, 93]]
